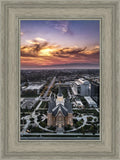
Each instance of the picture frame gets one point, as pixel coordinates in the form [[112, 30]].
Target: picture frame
[[108, 14]]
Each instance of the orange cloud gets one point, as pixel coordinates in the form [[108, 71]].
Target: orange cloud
[[39, 52]]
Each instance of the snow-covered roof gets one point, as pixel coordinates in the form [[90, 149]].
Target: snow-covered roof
[[34, 86], [76, 82], [27, 104], [79, 102], [90, 101], [81, 81]]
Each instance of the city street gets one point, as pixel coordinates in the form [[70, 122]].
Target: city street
[[50, 85]]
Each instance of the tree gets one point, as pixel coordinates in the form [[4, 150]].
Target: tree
[[32, 120], [52, 128], [43, 124], [83, 130], [92, 129], [68, 127], [89, 118]]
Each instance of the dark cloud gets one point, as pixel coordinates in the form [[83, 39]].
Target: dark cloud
[[33, 49], [67, 52], [76, 53]]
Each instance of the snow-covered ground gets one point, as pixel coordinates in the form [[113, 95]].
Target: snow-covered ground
[[44, 117], [84, 117], [27, 118], [97, 109], [33, 115]]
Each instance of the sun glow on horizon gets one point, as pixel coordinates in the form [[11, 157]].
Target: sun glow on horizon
[[46, 52]]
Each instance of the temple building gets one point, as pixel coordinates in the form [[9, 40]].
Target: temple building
[[59, 112]]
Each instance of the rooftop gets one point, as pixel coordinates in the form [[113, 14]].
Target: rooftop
[[65, 109], [59, 92], [90, 100], [79, 102], [34, 86], [81, 81]]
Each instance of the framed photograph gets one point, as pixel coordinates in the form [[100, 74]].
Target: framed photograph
[[59, 79]]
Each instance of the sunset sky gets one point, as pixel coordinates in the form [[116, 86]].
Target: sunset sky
[[48, 44]]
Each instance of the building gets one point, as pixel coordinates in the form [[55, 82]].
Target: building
[[59, 112], [32, 89], [27, 104], [79, 103], [90, 101], [95, 91], [81, 87]]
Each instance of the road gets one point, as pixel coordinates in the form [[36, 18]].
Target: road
[[63, 134], [50, 85], [60, 138]]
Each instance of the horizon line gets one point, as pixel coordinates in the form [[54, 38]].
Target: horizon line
[[59, 68]]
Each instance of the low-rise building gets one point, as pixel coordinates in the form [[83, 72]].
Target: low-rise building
[[90, 101], [27, 104], [32, 89], [79, 103]]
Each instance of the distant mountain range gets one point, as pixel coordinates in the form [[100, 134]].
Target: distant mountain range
[[65, 66]]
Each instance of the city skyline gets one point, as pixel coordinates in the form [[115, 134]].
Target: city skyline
[[60, 44]]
